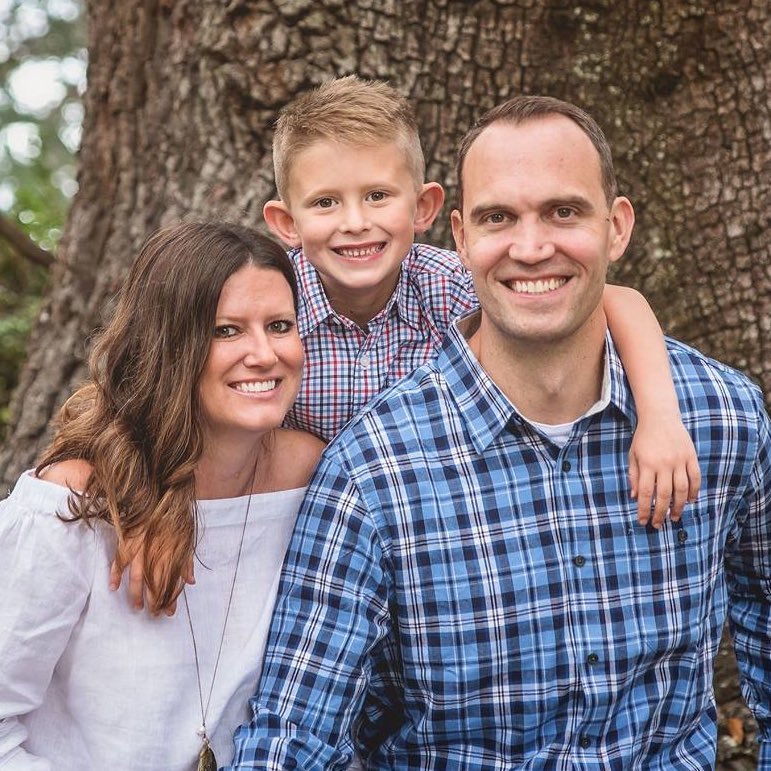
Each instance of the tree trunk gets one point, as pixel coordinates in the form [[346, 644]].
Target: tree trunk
[[182, 96]]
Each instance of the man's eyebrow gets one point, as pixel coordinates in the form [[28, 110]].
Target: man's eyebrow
[[576, 201], [485, 208]]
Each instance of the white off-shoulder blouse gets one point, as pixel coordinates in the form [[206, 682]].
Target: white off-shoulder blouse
[[88, 683]]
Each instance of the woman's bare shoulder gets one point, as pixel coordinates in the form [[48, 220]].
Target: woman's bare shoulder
[[72, 473], [295, 456]]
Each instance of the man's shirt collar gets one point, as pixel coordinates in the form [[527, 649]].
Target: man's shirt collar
[[486, 410]]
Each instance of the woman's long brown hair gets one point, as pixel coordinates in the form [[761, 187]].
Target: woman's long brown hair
[[137, 420]]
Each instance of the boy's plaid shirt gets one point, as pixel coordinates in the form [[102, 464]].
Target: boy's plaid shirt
[[345, 366]]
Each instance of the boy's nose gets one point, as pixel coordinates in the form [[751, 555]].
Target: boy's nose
[[354, 220]]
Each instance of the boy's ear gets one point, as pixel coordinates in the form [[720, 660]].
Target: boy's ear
[[281, 223], [621, 224], [430, 201]]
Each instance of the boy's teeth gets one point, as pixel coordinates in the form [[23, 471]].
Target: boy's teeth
[[255, 387], [356, 251], [538, 287]]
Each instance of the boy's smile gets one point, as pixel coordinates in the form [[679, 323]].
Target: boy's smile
[[355, 211]]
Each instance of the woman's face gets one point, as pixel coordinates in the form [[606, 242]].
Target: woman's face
[[253, 368]]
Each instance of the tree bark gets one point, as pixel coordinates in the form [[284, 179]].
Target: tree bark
[[182, 95]]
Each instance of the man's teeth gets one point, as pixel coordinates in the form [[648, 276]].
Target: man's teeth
[[255, 387], [538, 287], [356, 251]]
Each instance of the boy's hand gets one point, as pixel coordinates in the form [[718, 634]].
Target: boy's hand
[[663, 471], [139, 594]]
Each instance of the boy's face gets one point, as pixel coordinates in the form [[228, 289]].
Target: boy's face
[[355, 211]]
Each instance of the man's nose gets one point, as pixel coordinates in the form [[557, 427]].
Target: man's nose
[[531, 241]]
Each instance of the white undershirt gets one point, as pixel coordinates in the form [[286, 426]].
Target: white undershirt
[[559, 433]]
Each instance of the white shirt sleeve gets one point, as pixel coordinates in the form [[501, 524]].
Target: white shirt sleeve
[[47, 570]]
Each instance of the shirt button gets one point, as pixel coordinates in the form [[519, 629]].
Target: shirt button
[[566, 465], [584, 742], [364, 362], [592, 659], [682, 536], [579, 561]]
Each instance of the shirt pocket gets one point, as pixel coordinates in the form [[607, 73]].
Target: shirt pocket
[[679, 570], [684, 586]]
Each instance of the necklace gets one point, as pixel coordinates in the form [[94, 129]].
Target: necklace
[[206, 759]]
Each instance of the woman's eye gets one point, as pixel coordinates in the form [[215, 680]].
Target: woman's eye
[[225, 330], [281, 326]]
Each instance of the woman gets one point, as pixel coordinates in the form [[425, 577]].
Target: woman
[[175, 442]]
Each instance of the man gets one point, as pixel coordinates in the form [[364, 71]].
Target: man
[[466, 587]]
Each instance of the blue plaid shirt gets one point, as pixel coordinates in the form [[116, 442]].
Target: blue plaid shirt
[[345, 366], [460, 593]]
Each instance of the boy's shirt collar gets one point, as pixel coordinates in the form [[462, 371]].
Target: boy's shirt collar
[[407, 302], [317, 308]]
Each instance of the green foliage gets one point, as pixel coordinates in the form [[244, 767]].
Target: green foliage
[[20, 289], [42, 74]]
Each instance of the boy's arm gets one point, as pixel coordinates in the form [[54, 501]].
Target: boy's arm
[[663, 467], [129, 556]]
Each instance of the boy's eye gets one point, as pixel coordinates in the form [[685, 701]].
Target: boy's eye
[[224, 331], [281, 326], [325, 203], [377, 195]]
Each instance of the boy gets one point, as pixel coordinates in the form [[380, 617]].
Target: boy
[[374, 305]]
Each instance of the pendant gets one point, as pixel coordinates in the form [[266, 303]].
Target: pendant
[[206, 759]]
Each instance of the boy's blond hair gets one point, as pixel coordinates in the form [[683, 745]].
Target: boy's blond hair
[[350, 111]]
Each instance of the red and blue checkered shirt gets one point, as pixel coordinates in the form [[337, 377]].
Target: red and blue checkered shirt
[[345, 367]]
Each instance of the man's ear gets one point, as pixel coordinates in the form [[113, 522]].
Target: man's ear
[[621, 219], [430, 201], [459, 234], [281, 223]]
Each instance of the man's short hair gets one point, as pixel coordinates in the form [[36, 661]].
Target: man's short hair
[[523, 108], [351, 111]]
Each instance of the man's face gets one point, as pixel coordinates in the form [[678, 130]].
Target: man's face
[[536, 230]]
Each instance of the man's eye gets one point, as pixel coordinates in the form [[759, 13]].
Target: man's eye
[[225, 330], [564, 212], [281, 326], [496, 218]]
